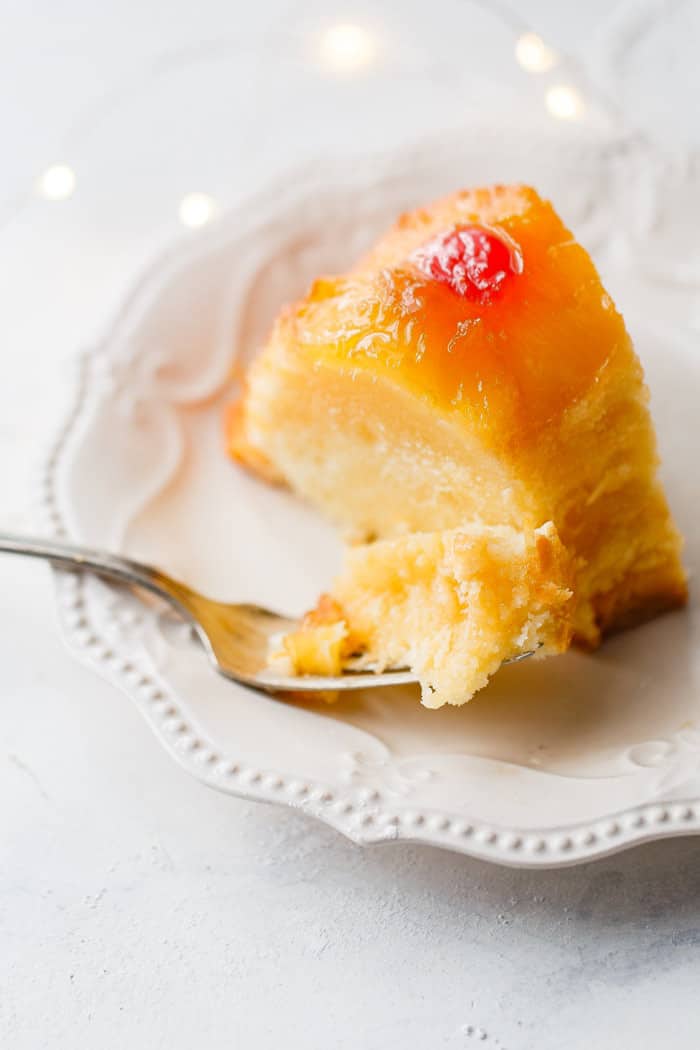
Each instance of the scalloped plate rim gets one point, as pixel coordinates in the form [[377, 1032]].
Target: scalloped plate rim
[[357, 813]]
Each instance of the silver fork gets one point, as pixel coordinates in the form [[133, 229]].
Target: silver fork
[[236, 638]]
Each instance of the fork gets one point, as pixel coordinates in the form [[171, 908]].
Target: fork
[[235, 637]]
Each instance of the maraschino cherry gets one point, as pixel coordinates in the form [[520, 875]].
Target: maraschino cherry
[[473, 260]]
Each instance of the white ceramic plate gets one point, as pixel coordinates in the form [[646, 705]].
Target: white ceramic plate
[[553, 763]]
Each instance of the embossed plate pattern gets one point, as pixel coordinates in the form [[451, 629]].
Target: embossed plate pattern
[[555, 762]]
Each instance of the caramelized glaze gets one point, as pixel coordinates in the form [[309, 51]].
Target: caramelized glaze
[[510, 362]]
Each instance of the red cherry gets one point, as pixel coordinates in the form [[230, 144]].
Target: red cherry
[[473, 260]]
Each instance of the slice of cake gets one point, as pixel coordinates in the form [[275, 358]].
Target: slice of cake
[[451, 605], [471, 371]]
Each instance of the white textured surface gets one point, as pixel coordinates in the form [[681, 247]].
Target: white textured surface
[[139, 909]]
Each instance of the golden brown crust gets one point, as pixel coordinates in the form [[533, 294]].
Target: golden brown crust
[[327, 611], [643, 597], [241, 449]]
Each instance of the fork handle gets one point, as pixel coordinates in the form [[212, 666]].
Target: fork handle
[[102, 563]]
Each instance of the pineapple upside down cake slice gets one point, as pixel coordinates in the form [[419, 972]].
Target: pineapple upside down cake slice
[[467, 406]]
